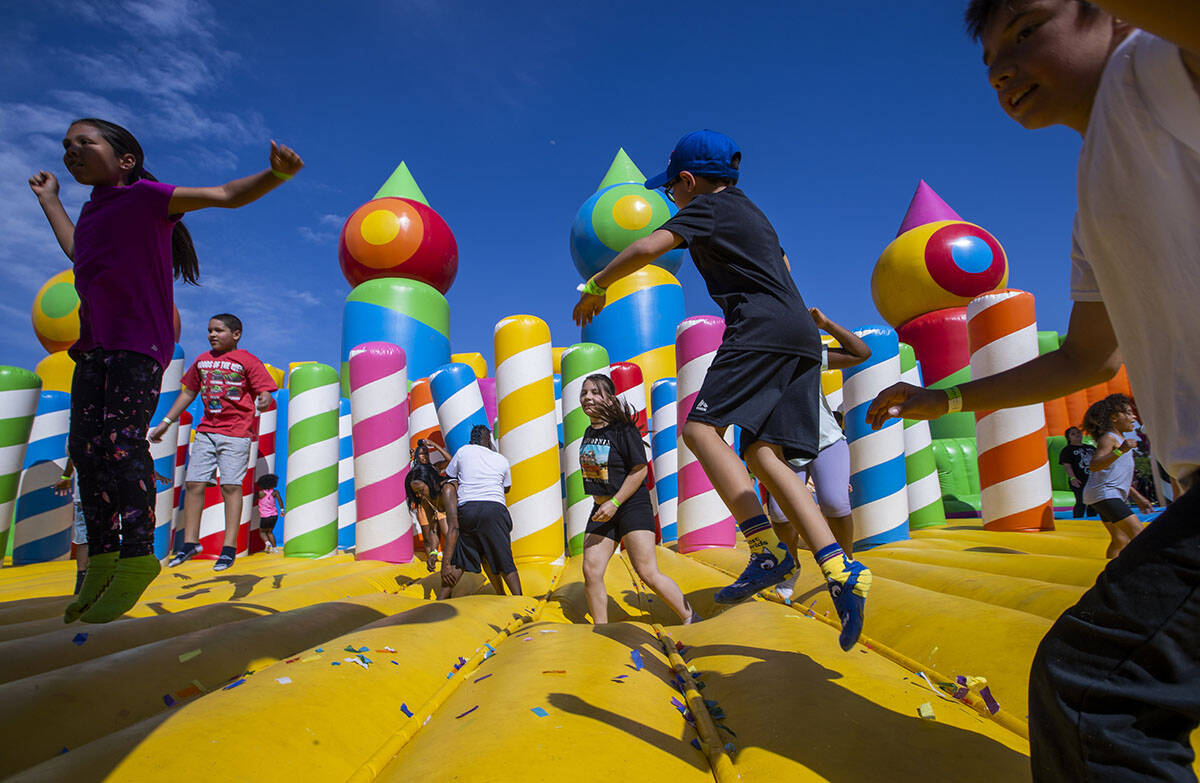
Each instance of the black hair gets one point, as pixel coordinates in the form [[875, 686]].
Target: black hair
[[979, 14], [229, 319], [428, 476], [480, 435], [1098, 418], [268, 481], [612, 409], [1067, 433], [184, 263]]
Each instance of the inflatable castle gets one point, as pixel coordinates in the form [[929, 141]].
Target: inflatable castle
[[331, 661]]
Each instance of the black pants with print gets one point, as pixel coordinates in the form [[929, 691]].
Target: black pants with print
[[113, 397], [1114, 694]]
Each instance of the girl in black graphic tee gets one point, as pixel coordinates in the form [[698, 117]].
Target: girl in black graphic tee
[[613, 459]]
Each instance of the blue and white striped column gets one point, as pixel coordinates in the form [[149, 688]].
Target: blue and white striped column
[[347, 512], [281, 454], [878, 484], [459, 403], [666, 456], [163, 454], [43, 520]]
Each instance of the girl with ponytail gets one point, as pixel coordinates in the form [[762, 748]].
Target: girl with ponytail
[[127, 246]]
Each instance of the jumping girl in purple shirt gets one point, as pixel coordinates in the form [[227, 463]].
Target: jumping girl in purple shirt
[[126, 247]]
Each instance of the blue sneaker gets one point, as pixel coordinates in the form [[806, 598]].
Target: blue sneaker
[[850, 600], [763, 571]]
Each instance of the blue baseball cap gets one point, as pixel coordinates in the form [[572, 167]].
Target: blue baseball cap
[[705, 153]]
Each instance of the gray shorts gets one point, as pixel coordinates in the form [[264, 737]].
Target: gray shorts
[[214, 453]]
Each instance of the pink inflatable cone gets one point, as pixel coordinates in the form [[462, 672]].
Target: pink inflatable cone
[[925, 207]]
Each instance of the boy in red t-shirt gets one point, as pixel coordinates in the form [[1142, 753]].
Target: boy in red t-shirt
[[231, 383]]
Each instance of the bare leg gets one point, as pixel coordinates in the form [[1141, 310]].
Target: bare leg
[[788, 489], [232, 495], [726, 472], [513, 580], [497, 582], [843, 531], [193, 507], [271, 539], [597, 551], [643, 554], [1121, 533], [266, 541]]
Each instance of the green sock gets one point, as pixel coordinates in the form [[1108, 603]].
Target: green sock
[[99, 572], [131, 578]]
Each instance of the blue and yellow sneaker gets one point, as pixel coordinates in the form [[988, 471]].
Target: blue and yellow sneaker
[[848, 582], [764, 570]]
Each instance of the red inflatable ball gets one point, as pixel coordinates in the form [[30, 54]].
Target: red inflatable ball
[[398, 237]]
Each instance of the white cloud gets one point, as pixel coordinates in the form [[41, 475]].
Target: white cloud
[[326, 230]]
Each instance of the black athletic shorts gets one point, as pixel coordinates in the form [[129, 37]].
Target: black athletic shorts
[[773, 397], [1112, 509], [267, 524], [484, 529], [634, 514]]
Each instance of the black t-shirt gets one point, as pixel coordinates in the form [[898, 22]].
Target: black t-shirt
[[737, 252], [607, 456], [1079, 458]]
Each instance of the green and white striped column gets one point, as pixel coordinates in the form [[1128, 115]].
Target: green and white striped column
[[578, 362], [924, 490], [310, 525], [19, 392]]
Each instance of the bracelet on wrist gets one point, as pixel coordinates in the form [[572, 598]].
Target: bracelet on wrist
[[283, 176], [954, 400], [593, 288], [64, 477], [616, 503], [168, 421]]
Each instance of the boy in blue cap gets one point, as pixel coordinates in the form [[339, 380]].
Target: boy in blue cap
[[1114, 691], [766, 376]]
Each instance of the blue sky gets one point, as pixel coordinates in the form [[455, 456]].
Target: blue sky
[[508, 116]]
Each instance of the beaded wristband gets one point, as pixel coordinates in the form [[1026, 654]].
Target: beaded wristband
[[281, 175], [953, 399], [593, 288]]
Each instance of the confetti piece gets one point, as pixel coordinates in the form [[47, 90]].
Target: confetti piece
[[723, 727], [729, 747], [404, 708], [396, 663], [187, 656], [167, 700], [388, 649], [538, 711], [554, 671], [449, 675], [320, 649], [284, 680], [353, 649], [678, 704], [64, 750], [234, 684], [187, 692], [620, 676], [484, 677], [308, 658], [527, 639], [696, 745], [292, 660], [547, 630], [80, 638], [468, 712], [618, 682], [199, 687], [926, 711], [636, 655], [335, 663]]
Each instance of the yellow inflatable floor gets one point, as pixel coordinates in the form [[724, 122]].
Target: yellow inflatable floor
[[335, 670]]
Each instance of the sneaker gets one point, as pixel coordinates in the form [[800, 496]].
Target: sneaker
[[787, 587], [182, 556], [850, 600], [223, 562], [761, 572]]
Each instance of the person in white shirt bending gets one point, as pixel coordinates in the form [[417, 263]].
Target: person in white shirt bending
[[478, 526]]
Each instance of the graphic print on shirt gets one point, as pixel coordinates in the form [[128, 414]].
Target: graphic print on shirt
[[593, 459], [221, 379]]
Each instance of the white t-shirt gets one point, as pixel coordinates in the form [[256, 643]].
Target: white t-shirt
[[482, 474], [830, 431], [1136, 244]]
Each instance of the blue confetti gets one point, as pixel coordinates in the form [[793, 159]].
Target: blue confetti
[[484, 677], [80, 638], [468, 712], [320, 649], [167, 700], [636, 655], [335, 663], [696, 744], [538, 711], [234, 684], [397, 663], [404, 708], [64, 750]]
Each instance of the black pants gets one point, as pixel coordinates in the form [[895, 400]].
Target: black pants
[[1115, 687], [113, 396], [1080, 508]]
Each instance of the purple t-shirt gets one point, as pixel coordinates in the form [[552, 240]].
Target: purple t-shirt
[[123, 271]]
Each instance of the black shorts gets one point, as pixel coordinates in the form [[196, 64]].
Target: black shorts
[[484, 529], [267, 523], [1112, 509], [773, 397], [634, 514]]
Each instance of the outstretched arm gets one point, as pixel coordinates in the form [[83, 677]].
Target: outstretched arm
[[184, 399], [853, 351], [1088, 356], [45, 187], [628, 261], [239, 192]]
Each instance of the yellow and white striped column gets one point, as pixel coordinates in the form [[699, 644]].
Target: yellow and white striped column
[[528, 436]]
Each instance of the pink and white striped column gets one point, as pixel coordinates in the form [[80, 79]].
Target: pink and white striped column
[[379, 412], [627, 377], [703, 520], [1014, 470]]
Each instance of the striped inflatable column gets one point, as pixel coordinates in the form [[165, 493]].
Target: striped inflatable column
[[631, 391], [264, 464], [183, 439], [703, 521], [212, 518], [558, 419], [346, 505], [920, 468], [163, 453], [423, 425], [578, 362], [1014, 470], [43, 520], [19, 391], [666, 454], [831, 380], [529, 437], [459, 403], [878, 484], [311, 520], [249, 507], [379, 407]]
